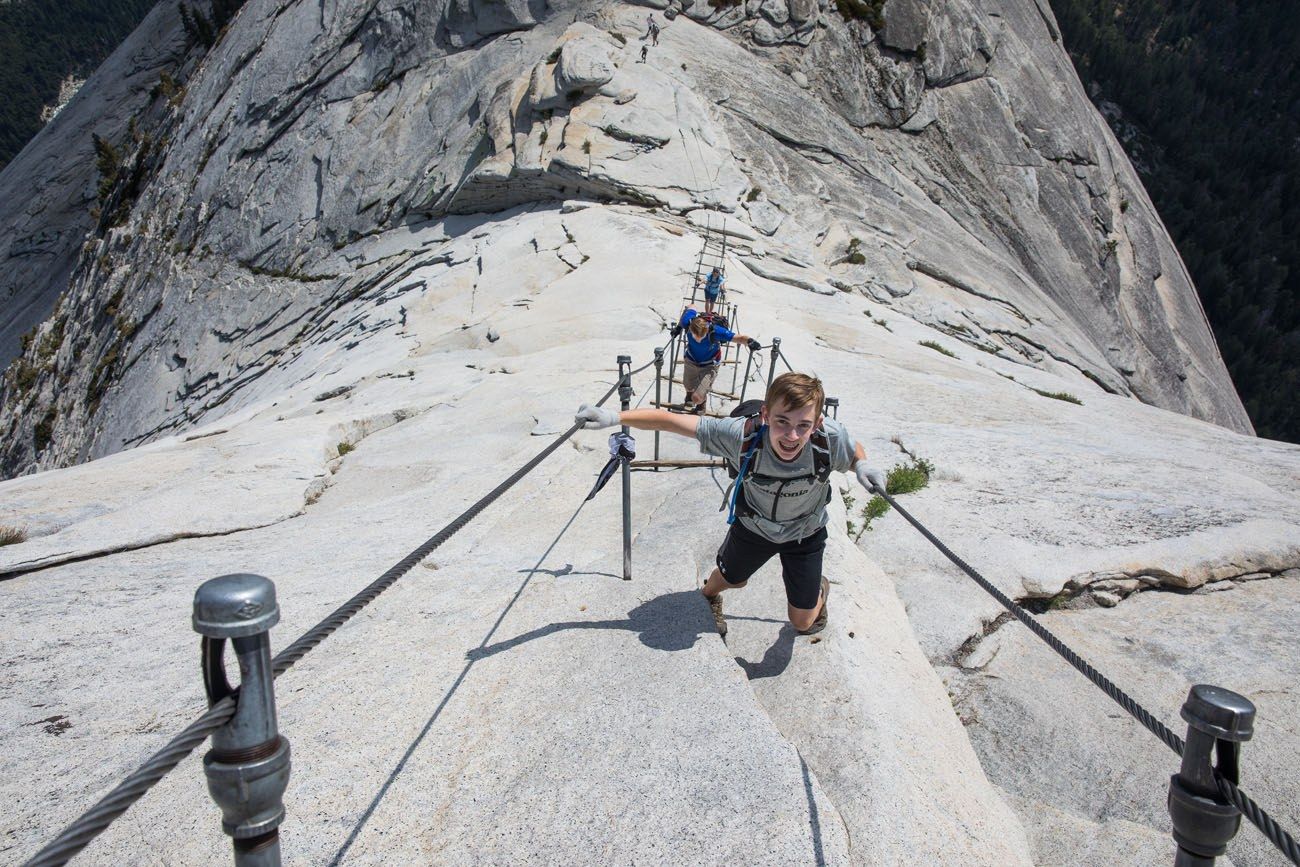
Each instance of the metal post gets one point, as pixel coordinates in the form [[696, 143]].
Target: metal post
[[672, 366], [248, 765], [833, 407], [1218, 722], [776, 353], [744, 383], [625, 397], [659, 374], [735, 326]]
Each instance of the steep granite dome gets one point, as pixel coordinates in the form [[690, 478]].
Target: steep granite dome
[[949, 164], [371, 257]]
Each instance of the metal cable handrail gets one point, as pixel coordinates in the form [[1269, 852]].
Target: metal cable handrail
[[1248, 807], [96, 820]]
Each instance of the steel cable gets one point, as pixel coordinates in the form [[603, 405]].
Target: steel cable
[[1251, 810], [94, 821]]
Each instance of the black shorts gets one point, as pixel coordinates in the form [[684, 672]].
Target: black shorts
[[744, 552]]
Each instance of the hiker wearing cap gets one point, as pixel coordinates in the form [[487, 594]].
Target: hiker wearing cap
[[712, 289], [784, 457], [703, 353]]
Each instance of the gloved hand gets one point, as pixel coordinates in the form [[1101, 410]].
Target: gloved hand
[[595, 417], [754, 345], [675, 330], [872, 480]]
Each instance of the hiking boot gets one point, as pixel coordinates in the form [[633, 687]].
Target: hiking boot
[[715, 606], [820, 623]]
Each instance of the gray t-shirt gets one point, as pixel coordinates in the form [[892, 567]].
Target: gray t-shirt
[[786, 500]]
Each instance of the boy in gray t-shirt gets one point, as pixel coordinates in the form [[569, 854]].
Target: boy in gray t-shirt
[[779, 505]]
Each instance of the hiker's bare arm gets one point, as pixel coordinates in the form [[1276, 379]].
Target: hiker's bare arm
[[859, 454], [740, 339], [661, 419]]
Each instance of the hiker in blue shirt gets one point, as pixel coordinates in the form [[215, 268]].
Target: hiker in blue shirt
[[712, 289], [703, 352]]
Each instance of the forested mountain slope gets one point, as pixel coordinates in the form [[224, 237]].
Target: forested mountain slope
[[44, 44], [1205, 97]]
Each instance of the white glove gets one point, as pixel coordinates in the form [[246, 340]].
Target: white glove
[[872, 480], [595, 417]]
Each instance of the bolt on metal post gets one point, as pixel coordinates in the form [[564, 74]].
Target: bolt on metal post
[[248, 766], [776, 353], [833, 407], [1219, 721], [659, 375], [625, 397]]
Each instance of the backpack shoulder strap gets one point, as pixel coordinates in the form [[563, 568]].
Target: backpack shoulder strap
[[821, 446]]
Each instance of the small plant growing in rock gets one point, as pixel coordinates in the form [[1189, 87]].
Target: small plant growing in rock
[[754, 193], [1060, 395], [12, 535], [1123, 206], [936, 347], [1111, 246], [586, 146], [901, 479], [344, 448], [883, 324], [544, 137], [854, 255]]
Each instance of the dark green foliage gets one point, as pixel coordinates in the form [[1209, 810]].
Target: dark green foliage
[[41, 44], [1060, 395], [930, 344], [43, 432], [909, 477], [724, 4], [854, 254], [1210, 96], [870, 11], [109, 164]]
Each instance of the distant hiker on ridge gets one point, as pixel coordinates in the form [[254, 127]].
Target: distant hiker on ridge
[[704, 339], [784, 459]]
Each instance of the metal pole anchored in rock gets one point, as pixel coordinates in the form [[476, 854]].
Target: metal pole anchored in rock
[[833, 407], [744, 383], [734, 319], [776, 353], [659, 375], [1218, 722], [625, 397], [672, 367], [248, 765]]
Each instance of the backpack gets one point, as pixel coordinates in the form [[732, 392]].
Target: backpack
[[750, 444]]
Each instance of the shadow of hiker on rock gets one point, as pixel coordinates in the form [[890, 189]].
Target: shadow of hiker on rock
[[674, 621], [775, 659]]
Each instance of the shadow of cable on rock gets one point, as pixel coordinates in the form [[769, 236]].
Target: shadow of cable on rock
[[670, 623], [446, 698]]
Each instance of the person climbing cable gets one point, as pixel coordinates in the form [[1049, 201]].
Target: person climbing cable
[[704, 339], [712, 289], [784, 457]]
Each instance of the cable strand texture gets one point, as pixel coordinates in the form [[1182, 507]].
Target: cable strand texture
[[1251, 810], [93, 822]]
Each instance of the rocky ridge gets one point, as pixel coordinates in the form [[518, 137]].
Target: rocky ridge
[[372, 230]]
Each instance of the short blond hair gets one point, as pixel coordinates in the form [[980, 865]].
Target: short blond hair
[[795, 391], [699, 327]]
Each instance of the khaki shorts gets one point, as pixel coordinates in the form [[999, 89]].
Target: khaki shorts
[[698, 379]]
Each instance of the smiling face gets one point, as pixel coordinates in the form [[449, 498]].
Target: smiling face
[[789, 429]]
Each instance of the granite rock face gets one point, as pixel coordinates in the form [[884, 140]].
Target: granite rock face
[[956, 145], [366, 254]]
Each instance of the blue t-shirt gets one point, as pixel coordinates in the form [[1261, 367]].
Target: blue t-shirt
[[704, 351], [713, 285]]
